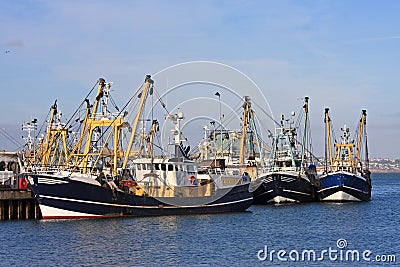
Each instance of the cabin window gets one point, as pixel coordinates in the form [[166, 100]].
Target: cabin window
[[170, 167], [149, 167], [163, 167], [139, 167], [176, 168], [190, 168], [157, 166], [144, 166]]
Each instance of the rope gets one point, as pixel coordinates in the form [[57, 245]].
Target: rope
[[11, 138]]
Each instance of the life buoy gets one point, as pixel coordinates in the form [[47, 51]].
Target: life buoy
[[128, 183], [192, 179], [22, 183]]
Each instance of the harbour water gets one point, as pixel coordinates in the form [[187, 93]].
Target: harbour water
[[369, 229]]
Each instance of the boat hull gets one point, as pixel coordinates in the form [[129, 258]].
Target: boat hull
[[64, 198], [283, 187], [343, 186]]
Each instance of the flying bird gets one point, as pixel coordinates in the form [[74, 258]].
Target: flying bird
[[8, 51]]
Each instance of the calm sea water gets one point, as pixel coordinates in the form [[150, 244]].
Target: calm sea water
[[237, 239]]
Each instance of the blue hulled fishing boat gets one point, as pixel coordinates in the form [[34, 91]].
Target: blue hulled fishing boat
[[346, 177]]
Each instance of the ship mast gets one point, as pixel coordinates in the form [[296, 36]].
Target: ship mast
[[360, 135], [78, 144], [56, 132], [366, 152], [259, 146], [30, 127], [143, 95], [176, 120], [46, 148], [95, 126], [154, 129], [247, 113], [304, 145], [88, 121], [328, 144]]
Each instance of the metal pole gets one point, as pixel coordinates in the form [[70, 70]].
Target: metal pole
[[34, 121], [220, 120], [215, 146], [220, 124]]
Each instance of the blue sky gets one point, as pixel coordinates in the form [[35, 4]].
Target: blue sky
[[344, 55]]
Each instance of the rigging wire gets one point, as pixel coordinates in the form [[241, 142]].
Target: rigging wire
[[93, 144], [235, 111], [113, 102], [11, 138], [266, 113], [41, 127], [84, 101], [116, 117], [64, 127]]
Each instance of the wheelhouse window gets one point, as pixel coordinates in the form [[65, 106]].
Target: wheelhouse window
[[163, 167], [191, 169]]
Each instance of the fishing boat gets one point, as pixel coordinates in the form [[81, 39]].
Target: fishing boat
[[98, 177], [290, 174], [229, 155], [235, 152], [346, 176]]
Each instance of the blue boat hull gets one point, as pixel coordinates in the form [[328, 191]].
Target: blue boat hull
[[344, 186]]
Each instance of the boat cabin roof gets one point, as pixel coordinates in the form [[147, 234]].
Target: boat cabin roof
[[163, 160]]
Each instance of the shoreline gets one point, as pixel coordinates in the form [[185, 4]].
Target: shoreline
[[384, 171]]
